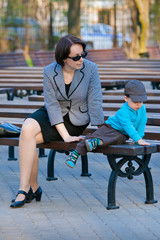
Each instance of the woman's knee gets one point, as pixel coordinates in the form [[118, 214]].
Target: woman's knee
[[30, 128]]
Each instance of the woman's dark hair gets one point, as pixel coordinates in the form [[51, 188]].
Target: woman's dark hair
[[64, 45]]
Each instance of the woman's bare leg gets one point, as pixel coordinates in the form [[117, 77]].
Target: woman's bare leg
[[28, 158], [34, 174]]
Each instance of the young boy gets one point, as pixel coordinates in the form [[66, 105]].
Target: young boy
[[128, 122]]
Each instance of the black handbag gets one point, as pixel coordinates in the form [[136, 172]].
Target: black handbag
[[9, 130]]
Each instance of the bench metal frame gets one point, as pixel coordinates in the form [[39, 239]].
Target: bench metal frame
[[127, 153]]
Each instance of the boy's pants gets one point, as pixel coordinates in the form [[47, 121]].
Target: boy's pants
[[107, 134]]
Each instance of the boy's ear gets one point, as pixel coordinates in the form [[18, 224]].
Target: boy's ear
[[125, 98]]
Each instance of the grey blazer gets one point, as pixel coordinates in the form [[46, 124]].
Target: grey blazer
[[84, 100]]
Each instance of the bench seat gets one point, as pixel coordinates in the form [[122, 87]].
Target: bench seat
[[118, 156]]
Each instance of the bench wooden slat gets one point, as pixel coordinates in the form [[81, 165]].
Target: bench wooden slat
[[150, 92], [106, 99], [106, 106], [153, 118], [128, 148]]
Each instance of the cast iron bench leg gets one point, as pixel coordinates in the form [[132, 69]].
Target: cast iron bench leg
[[148, 182], [85, 173], [112, 190], [11, 156], [112, 180], [129, 172], [10, 94], [50, 167], [42, 152]]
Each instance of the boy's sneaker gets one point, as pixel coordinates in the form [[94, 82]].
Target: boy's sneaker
[[71, 161], [92, 144]]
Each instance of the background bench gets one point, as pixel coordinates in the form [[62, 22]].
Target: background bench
[[30, 79], [117, 155], [43, 58], [12, 59], [154, 52], [9, 92]]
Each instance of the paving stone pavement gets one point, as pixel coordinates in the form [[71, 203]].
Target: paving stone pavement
[[74, 207]]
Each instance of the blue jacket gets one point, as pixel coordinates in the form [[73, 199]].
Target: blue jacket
[[84, 100], [130, 122]]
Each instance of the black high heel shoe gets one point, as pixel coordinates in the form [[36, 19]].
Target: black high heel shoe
[[37, 195], [28, 198]]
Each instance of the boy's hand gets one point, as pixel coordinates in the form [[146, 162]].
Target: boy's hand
[[142, 142]]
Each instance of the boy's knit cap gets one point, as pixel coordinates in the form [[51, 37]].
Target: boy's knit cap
[[136, 91]]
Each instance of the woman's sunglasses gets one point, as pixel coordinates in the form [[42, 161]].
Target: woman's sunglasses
[[77, 58]]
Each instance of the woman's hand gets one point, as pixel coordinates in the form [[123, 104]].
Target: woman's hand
[[142, 142], [65, 135], [73, 139]]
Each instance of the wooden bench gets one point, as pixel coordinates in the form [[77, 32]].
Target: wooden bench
[[23, 110], [35, 87], [103, 70], [110, 78], [130, 64], [110, 65], [37, 104], [154, 52], [12, 59], [144, 70], [150, 92], [106, 98], [112, 102], [117, 66], [9, 92], [101, 55], [43, 58], [128, 153], [107, 81], [35, 83]]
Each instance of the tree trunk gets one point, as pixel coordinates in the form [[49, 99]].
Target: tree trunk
[[143, 9], [74, 17], [50, 31], [155, 9], [115, 43], [133, 48]]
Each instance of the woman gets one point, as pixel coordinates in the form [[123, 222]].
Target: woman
[[72, 100]]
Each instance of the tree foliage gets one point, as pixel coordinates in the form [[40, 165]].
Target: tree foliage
[[16, 14]]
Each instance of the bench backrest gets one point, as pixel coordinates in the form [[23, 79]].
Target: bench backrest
[[42, 58], [154, 52], [12, 59]]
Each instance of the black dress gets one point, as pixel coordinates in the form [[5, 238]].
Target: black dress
[[49, 132]]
